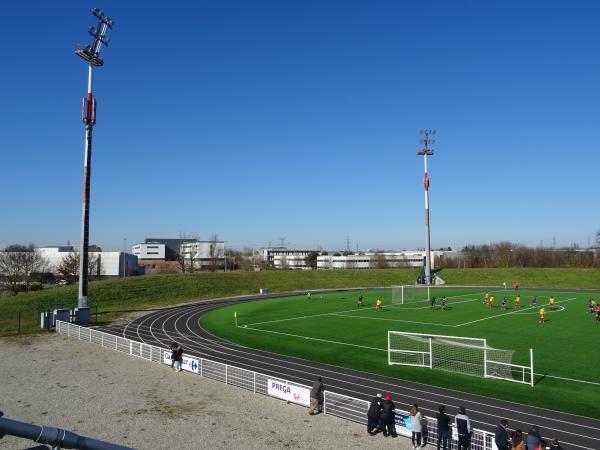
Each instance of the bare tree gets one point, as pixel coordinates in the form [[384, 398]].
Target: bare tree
[[68, 269], [18, 265], [381, 261], [215, 253], [187, 259]]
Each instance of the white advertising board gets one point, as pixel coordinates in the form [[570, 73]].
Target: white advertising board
[[289, 392], [189, 364]]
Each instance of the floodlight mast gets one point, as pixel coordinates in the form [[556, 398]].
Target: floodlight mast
[[91, 53], [425, 152]]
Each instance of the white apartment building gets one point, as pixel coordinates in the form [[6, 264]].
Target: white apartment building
[[113, 264], [149, 251], [203, 254], [284, 258], [371, 260]]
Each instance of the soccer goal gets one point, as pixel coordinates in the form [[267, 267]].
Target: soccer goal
[[410, 293], [470, 356]]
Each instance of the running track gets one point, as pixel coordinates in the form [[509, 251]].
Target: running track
[[180, 324]]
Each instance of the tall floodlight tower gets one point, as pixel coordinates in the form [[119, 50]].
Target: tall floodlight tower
[[91, 53], [427, 151]]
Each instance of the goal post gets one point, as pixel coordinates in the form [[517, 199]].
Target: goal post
[[402, 294], [469, 356]]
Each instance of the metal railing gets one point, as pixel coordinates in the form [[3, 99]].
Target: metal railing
[[334, 404]]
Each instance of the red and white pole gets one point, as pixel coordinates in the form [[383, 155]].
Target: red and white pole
[[89, 118]]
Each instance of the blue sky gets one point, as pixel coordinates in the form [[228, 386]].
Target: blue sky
[[264, 119]]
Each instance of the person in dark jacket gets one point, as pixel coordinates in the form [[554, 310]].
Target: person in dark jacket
[[501, 436], [373, 415], [443, 428], [388, 417], [176, 356], [534, 438], [316, 396], [555, 445], [463, 429]]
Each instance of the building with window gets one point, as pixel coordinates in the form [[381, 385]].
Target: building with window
[[283, 257], [204, 254], [373, 260], [112, 264]]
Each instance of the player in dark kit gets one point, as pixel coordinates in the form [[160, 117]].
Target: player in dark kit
[[504, 302], [359, 302], [432, 303]]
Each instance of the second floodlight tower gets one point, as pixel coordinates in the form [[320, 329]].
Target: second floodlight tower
[[425, 152], [90, 53]]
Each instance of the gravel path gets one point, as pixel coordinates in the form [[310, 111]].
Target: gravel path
[[61, 382]]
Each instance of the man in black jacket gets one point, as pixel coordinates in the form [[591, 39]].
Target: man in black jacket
[[316, 396], [463, 428], [501, 436], [443, 428], [373, 415], [388, 417]]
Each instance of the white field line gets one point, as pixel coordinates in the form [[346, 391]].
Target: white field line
[[393, 320], [511, 312], [569, 379], [448, 304], [314, 339], [360, 309]]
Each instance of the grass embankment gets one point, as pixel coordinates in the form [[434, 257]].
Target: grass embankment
[[116, 297]]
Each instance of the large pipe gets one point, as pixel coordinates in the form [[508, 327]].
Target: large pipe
[[54, 436]]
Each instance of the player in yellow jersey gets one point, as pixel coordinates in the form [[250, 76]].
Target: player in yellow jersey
[[486, 299], [542, 313], [551, 302], [491, 302], [378, 305], [518, 302]]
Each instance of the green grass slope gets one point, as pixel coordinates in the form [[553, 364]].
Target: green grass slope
[[115, 297]]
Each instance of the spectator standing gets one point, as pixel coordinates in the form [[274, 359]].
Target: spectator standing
[[534, 438], [416, 426], [373, 415], [555, 445], [176, 356], [463, 428], [443, 428], [517, 440], [388, 417], [316, 396], [501, 436]]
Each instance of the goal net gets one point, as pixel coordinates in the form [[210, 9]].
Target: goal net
[[470, 356], [411, 293]]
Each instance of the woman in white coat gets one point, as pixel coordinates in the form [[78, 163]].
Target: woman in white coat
[[416, 426]]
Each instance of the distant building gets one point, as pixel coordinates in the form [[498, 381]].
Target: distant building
[[113, 264], [204, 254], [284, 258], [150, 251], [372, 260]]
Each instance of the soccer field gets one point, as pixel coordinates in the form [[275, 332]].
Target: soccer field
[[333, 328]]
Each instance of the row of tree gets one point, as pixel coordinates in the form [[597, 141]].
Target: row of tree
[[506, 254], [23, 268]]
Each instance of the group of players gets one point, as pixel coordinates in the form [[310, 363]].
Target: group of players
[[594, 309], [489, 302]]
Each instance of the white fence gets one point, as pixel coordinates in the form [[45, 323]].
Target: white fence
[[348, 408]]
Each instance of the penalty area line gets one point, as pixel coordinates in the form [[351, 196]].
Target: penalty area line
[[393, 320], [508, 313], [314, 339]]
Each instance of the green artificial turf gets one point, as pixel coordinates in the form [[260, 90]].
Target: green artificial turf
[[331, 328]]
